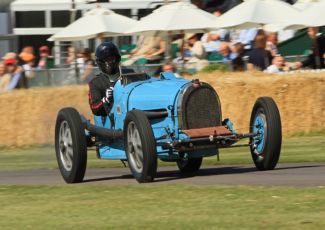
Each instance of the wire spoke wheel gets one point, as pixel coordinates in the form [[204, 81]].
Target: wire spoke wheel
[[266, 123], [65, 143], [259, 127], [140, 146], [135, 147], [70, 145]]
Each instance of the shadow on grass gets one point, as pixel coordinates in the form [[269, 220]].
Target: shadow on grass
[[299, 167], [108, 178], [176, 175]]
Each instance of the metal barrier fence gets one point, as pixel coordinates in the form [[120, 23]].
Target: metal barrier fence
[[188, 67], [55, 77], [295, 58], [69, 76]]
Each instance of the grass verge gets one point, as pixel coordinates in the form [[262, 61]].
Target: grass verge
[[161, 207]]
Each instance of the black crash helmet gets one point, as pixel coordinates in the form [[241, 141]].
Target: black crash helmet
[[108, 57]]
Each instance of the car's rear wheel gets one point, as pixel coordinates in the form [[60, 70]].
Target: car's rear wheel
[[190, 165], [266, 122], [70, 145], [140, 146]]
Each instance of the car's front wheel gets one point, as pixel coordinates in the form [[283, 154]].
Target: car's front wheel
[[70, 145], [140, 146], [266, 146]]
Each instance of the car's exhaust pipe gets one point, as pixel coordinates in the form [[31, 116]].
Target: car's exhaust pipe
[[118, 134], [102, 132], [156, 114]]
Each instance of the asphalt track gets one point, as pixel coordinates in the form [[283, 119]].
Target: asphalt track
[[294, 174]]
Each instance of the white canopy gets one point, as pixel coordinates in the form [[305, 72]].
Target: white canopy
[[304, 4], [175, 17], [313, 16], [300, 5], [256, 13], [98, 21]]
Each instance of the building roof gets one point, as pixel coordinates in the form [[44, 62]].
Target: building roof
[[28, 5], [32, 5]]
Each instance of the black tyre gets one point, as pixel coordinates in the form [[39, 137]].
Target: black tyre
[[191, 165], [265, 120], [140, 145], [70, 145]]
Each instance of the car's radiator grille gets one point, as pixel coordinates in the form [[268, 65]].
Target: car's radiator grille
[[200, 107]]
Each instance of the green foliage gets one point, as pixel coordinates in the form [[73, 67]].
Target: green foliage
[[214, 67]]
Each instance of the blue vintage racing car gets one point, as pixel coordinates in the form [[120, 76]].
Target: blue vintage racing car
[[164, 118]]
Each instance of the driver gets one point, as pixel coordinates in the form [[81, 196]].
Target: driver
[[101, 87]]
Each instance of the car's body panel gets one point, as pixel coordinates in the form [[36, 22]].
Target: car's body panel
[[149, 95]]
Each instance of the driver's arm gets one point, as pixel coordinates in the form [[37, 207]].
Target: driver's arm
[[97, 105]]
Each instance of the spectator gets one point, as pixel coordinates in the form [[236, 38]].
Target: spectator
[[238, 63], [79, 62], [246, 37], [217, 12], [194, 48], [316, 58], [170, 67], [28, 49], [167, 67], [17, 79], [271, 44], [193, 53], [71, 57], [44, 55], [211, 41], [177, 45], [149, 49], [278, 65], [76, 64], [88, 66], [223, 33], [260, 32], [27, 59], [259, 57], [226, 52], [4, 78]]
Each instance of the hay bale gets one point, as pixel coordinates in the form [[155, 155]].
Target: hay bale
[[28, 116], [300, 98]]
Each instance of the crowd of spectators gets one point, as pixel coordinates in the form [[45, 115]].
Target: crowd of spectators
[[12, 75], [16, 70], [241, 50], [247, 49]]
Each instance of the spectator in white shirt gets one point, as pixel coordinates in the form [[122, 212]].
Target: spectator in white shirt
[[278, 65]]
